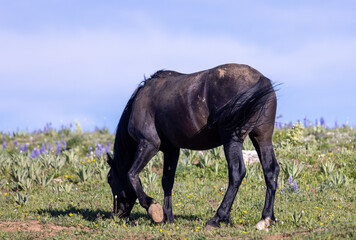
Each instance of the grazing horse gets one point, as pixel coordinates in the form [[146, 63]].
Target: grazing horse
[[198, 111]]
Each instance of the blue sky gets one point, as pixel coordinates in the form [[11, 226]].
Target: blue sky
[[62, 61]]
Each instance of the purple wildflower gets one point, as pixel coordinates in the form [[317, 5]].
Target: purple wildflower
[[35, 153], [3, 142], [90, 148], [49, 147], [58, 147], [295, 185], [25, 148], [102, 149], [96, 153], [107, 147], [290, 180], [322, 122], [43, 149], [48, 127], [64, 143], [15, 143]]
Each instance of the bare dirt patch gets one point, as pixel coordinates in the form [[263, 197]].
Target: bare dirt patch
[[49, 229]]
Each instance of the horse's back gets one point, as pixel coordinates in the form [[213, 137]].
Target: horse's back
[[175, 107]]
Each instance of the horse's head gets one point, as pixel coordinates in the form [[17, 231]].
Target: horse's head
[[123, 195]]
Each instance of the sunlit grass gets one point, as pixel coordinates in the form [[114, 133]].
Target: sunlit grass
[[314, 199]]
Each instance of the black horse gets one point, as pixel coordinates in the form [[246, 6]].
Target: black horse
[[199, 111]]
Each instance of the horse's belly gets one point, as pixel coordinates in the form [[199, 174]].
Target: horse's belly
[[205, 139]]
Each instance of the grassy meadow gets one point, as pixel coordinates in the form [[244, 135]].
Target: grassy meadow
[[53, 185]]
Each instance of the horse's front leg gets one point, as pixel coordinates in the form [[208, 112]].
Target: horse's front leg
[[145, 151], [169, 169], [237, 171]]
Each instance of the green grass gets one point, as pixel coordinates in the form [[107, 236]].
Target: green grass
[[73, 200]]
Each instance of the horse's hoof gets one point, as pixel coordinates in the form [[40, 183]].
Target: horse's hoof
[[263, 224], [211, 225], [155, 211], [169, 220]]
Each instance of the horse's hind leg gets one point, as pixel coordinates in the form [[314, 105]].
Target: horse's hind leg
[[169, 169], [145, 151], [237, 171], [262, 140]]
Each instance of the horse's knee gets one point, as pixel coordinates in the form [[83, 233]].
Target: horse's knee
[[133, 178], [277, 170], [237, 176]]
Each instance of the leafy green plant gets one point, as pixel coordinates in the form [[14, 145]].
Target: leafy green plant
[[292, 169], [102, 167], [66, 187], [253, 172], [216, 167], [57, 163], [204, 160], [216, 153], [190, 156], [85, 172], [21, 198], [297, 218], [150, 177], [327, 167], [44, 179], [339, 179]]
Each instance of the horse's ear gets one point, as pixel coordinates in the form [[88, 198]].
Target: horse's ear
[[110, 161]]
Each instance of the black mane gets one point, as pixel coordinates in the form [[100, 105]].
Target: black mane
[[161, 74], [123, 140]]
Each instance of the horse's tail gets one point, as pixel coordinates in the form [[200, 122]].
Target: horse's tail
[[245, 109]]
